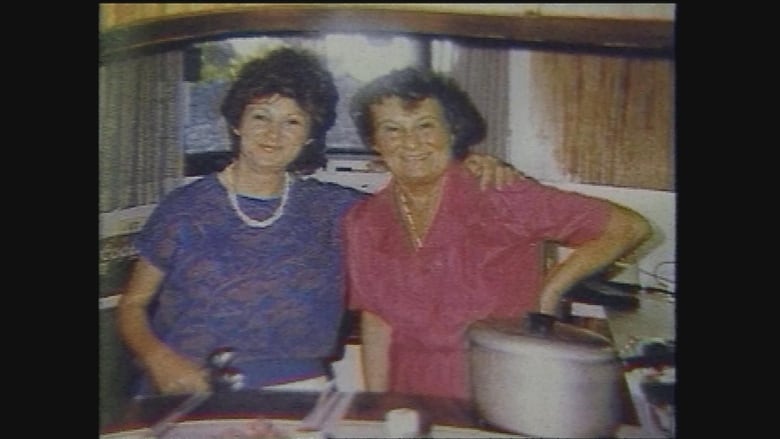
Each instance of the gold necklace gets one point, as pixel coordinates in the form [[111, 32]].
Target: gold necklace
[[409, 219], [411, 226]]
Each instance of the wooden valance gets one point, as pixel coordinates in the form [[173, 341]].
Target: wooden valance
[[653, 36]]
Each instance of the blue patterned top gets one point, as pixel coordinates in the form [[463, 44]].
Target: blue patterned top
[[274, 294]]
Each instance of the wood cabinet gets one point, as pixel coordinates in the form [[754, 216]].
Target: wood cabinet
[[128, 28]]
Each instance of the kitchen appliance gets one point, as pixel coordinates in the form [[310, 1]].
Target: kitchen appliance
[[650, 371], [541, 377]]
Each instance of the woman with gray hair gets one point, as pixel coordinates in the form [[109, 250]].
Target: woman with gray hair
[[430, 253]]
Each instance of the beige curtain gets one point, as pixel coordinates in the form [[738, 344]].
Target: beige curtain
[[612, 118], [140, 152], [483, 72]]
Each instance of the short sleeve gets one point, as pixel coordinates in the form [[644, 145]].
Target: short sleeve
[[569, 218], [159, 239]]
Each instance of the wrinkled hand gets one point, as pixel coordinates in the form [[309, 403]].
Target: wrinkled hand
[[172, 373], [492, 171]]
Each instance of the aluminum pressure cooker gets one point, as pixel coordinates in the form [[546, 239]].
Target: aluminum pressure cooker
[[540, 377]]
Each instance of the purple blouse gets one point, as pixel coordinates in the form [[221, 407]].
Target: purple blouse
[[274, 294]]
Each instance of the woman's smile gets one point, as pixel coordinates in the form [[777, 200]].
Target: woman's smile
[[273, 131], [413, 139]]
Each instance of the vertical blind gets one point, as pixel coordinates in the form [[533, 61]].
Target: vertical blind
[[483, 72], [140, 105]]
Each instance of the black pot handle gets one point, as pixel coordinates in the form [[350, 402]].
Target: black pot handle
[[539, 323], [224, 377]]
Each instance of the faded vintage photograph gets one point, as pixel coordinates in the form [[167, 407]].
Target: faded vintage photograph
[[387, 220]]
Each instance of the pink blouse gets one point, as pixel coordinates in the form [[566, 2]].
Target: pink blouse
[[480, 258]]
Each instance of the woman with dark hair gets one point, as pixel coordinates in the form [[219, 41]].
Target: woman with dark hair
[[248, 257], [297, 75], [430, 253]]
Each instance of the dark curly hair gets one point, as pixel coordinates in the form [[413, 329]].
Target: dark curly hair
[[412, 85], [294, 73]]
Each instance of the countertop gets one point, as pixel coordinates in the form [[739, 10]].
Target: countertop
[[286, 405], [653, 319]]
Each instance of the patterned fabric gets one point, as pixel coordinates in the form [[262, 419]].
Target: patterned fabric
[[274, 294], [481, 258]]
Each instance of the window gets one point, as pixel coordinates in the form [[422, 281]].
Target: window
[[210, 66]]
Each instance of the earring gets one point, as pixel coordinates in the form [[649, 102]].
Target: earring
[[235, 131]]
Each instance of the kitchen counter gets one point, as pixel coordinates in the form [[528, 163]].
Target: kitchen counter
[[279, 405], [439, 417], [653, 319]]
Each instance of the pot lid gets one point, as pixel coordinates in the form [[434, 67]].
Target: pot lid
[[540, 334]]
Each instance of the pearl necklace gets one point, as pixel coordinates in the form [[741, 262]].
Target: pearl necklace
[[231, 191]]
